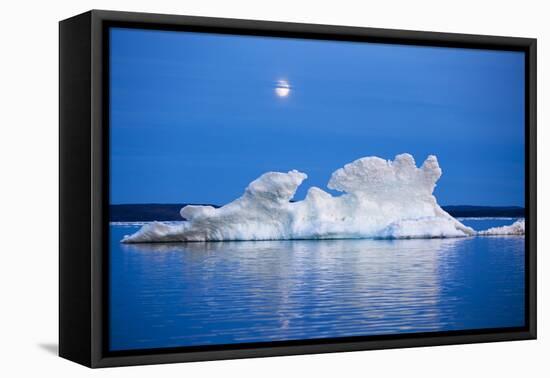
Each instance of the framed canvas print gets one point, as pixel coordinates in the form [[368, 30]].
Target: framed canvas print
[[233, 188]]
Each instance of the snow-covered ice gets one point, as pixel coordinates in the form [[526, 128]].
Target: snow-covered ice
[[516, 228], [380, 199]]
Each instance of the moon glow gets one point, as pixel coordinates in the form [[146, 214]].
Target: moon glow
[[282, 89]]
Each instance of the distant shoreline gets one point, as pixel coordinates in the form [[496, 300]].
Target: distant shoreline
[[170, 212]]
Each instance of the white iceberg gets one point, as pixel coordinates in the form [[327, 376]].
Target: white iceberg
[[516, 228], [380, 199]]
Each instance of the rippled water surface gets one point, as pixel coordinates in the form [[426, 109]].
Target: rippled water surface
[[168, 295]]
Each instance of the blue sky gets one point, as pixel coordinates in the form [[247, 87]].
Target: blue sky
[[195, 117]]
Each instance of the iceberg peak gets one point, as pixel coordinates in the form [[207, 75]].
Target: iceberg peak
[[375, 176]]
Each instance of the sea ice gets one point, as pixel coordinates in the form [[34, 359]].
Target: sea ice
[[380, 199], [516, 228]]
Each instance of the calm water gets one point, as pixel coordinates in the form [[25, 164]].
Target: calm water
[[168, 295]]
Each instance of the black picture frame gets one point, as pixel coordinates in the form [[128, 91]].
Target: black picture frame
[[84, 187]]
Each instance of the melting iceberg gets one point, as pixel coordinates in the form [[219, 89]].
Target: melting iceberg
[[380, 199], [516, 228]]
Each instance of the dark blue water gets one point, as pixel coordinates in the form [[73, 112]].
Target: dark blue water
[[169, 295]]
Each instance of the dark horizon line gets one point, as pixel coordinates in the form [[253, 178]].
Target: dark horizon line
[[216, 205]]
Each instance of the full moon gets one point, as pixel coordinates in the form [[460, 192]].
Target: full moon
[[282, 89]]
